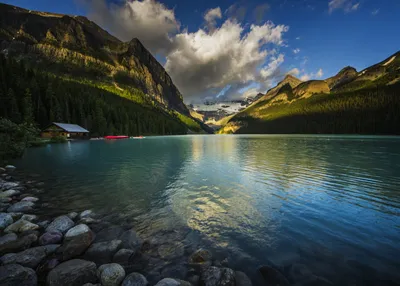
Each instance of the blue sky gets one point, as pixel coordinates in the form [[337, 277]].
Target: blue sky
[[317, 38]]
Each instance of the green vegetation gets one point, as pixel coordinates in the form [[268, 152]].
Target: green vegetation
[[366, 111], [58, 139], [14, 138], [27, 95]]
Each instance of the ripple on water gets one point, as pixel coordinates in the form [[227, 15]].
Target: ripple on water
[[329, 202]]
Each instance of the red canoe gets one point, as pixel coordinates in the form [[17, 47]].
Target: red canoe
[[112, 137]]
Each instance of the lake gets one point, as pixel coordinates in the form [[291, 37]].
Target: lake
[[331, 203]]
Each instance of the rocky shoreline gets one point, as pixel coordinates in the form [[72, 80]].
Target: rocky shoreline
[[80, 248]]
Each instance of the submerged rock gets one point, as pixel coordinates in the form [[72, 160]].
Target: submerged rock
[[52, 237], [175, 270], [76, 241], [130, 240], [171, 250], [61, 224], [103, 252], [21, 226], [17, 275], [5, 220], [30, 257], [200, 259], [172, 282], [108, 234], [123, 255], [272, 276], [135, 279], [242, 279], [74, 272], [21, 207], [213, 276], [111, 274]]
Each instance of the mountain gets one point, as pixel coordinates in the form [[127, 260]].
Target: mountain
[[365, 102], [75, 49]]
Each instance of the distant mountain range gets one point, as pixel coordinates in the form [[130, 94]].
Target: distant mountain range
[[74, 48], [349, 102]]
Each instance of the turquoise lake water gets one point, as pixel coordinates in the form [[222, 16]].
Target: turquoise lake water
[[331, 203]]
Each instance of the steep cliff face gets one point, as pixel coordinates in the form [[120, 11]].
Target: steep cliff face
[[75, 46]]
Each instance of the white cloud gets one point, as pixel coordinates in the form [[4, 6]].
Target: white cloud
[[355, 7], [203, 62], [149, 21], [374, 12], [294, 72], [297, 38], [308, 76], [271, 68], [296, 51], [211, 16], [345, 5]]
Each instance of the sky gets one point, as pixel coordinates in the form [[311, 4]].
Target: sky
[[219, 50]]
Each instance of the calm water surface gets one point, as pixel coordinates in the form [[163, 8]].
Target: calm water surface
[[329, 202]]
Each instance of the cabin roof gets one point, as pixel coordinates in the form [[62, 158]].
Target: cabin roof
[[71, 127]]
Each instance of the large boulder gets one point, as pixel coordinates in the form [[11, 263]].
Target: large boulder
[[103, 252], [76, 241], [10, 243], [213, 276], [272, 276], [242, 279], [30, 257], [111, 274], [62, 224], [135, 279], [52, 237], [21, 207], [21, 225], [130, 240], [75, 272], [17, 275], [5, 220]]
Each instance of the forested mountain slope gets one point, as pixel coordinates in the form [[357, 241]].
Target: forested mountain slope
[[77, 72], [366, 102]]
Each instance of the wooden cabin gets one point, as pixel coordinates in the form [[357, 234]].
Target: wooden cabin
[[66, 130]]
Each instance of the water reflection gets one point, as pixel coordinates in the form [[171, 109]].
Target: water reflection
[[329, 202]]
